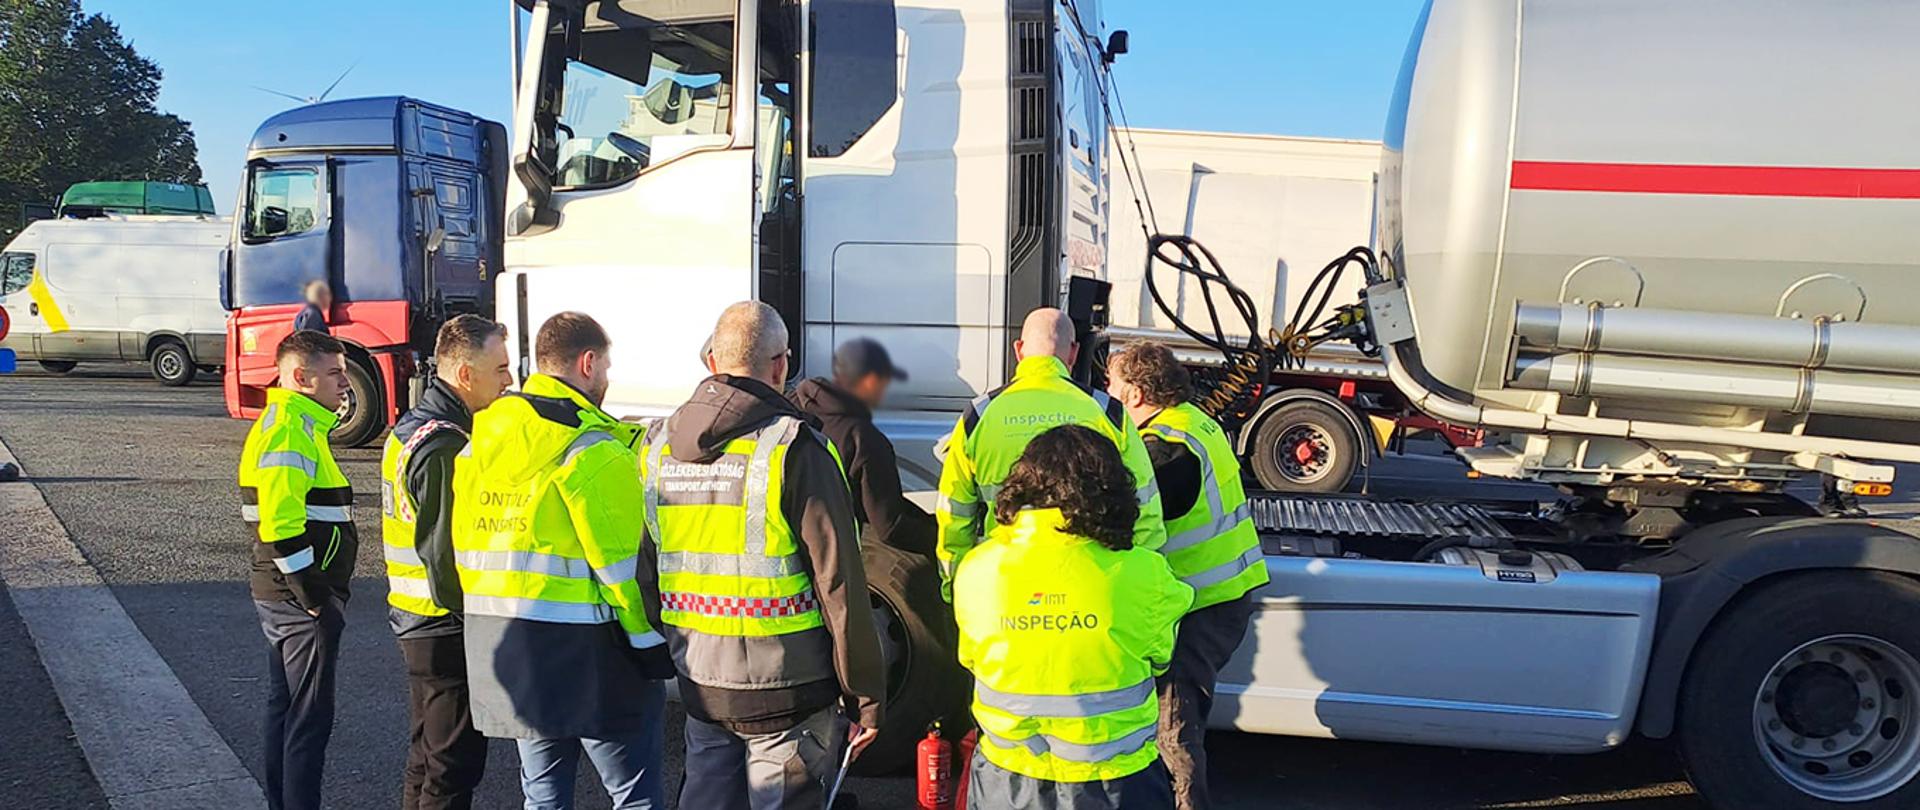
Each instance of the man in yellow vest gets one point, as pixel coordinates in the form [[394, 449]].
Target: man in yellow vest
[[300, 509], [547, 528], [446, 755], [996, 427], [762, 592], [1211, 544]]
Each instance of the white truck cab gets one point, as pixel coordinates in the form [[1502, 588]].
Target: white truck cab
[[843, 187]]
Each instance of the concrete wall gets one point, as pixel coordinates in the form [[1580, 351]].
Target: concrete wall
[[1273, 209]]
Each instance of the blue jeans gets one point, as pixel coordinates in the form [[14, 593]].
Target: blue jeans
[[629, 767]]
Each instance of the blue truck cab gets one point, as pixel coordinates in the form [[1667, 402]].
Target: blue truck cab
[[398, 205]]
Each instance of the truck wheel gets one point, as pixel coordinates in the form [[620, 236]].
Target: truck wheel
[[360, 414], [918, 643], [1305, 446], [58, 366], [171, 364], [1807, 695]]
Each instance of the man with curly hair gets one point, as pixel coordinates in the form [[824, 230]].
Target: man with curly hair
[[1211, 544]]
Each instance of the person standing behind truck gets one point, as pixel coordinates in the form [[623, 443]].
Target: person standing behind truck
[[1211, 545], [313, 316], [1065, 624], [547, 529], [862, 372], [300, 507], [762, 591], [446, 755], [996, 427]]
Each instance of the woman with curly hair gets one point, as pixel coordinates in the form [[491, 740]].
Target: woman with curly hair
[[1064, 625]]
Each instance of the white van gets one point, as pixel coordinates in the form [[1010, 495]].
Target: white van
[[118, 289]]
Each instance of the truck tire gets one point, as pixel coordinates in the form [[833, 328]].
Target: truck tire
[[1305, 446], [1806, 694], [360, 415], [918, 641], [58, 366], [171, 364]]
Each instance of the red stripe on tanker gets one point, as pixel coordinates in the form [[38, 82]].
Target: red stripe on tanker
[[1741, 181]]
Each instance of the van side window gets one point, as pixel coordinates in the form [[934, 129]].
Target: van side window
[[282, 202], [16, 272]]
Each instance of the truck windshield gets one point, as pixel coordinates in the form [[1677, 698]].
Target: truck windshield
[[282, 202], [639, 91]]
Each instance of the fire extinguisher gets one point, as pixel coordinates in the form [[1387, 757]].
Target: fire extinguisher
[[963, 769], [931, 761]]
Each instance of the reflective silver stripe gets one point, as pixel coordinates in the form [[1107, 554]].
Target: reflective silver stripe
[[466, 451], [306, 422], [727, 565], [540, 610], [250, 513], [288, 458], [331, 514], [656, 450], [582, 442], [415, 587], [297, 561], [617, 573], [759, 473], [526, 562], [960, 509], [1148, 492], [641, 641], [1226, 570], [989, 493], [1041, 744], [1087, 705], [267, 419], [1209, 530], [402, 555]]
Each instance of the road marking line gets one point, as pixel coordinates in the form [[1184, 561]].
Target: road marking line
[[148, 744]]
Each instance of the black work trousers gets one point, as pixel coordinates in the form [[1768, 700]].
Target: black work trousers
[[1206, 640], [446, 756], [304, 652]]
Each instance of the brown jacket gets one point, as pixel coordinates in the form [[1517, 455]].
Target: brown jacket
[[815, 501]]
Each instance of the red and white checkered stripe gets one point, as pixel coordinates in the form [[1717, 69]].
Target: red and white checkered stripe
[[751, 607]]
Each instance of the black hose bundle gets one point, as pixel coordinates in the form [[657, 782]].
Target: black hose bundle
[[1229, 393]]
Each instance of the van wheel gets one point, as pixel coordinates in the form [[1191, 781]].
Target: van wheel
[[171, 364], [918, 643], [58, 366], [1305, 446], [1807, 695], [360, 413]]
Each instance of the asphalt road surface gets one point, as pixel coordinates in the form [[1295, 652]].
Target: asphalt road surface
[[142, 477]]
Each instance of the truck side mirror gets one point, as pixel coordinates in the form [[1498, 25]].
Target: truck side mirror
[[1116, 45]]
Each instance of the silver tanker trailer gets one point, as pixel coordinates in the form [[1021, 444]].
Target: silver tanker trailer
[[1668, 255]]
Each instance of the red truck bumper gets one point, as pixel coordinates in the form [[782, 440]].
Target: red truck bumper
[[254, 333]]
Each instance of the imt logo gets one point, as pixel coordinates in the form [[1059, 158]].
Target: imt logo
[[1044, 598]]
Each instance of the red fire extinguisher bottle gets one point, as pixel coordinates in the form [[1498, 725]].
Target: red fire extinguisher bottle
[[931, 761], [963, 769]]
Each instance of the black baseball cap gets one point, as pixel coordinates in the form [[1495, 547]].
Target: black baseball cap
[[859, 357]]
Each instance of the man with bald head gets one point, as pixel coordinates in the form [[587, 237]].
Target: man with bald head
[[763, 598], [996, 427]]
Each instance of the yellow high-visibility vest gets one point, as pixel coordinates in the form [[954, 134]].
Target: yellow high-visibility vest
[[547, 524], [1213, 547], [1064, 638]]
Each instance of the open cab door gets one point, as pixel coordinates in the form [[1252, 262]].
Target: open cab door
[[636, 194]]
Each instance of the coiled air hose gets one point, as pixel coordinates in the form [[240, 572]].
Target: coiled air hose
[[1229, 393]]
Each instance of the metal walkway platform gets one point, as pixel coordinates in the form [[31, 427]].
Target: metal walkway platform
[[1355, 517]]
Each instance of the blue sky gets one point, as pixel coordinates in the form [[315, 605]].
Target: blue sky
[[1288, 67]]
